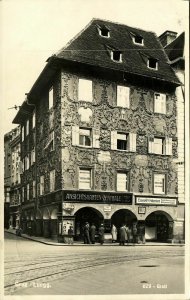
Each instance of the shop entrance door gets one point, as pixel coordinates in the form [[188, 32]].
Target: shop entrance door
[[157, 227]]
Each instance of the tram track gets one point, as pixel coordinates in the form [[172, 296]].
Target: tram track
[[51, 272]]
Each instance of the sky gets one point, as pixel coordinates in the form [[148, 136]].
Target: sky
[[33, 30]]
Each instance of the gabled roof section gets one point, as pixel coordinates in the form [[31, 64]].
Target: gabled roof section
[[90, 48], [175, 49]]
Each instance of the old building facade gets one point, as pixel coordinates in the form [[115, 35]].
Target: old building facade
[[99, 139]]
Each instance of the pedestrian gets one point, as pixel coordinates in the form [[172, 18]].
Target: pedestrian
[[86, 233], [122, 235], [134, 233], [92, 233], [70, 235], [127, 234], [101, 234], [114, 233]]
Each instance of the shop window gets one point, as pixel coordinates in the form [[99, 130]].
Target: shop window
[[51, 98], [159, 184], [159, 145], [122, 181], [85, 137], [123, 96], [52, 180], [160, 103], [152, 63], [123, 141], [84, 179], [85, 90], [41, 185]]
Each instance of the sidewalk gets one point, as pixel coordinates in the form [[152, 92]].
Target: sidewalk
[[49, 241]]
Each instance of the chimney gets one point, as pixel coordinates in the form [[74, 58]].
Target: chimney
[[167, 37]]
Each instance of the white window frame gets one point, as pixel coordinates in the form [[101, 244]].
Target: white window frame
[[34, 189], [123, 96], [161, 189], [50, 101], [148, 64], [100, 32], [85, 90], [123, 137], [160, 107], [28, 192], [33, 120], [85, 182], [52, 181], [22, 133], [136, 43], [41, 185], [120, 57], [27, 127], [166, 146], [122, 181], [159, 146], [83, 137]]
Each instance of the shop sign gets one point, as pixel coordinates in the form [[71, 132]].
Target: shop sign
[[94, 197], [156, 201], [68, 206]]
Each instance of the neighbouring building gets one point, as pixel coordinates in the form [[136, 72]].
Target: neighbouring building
[[12, 177], [99, 138]]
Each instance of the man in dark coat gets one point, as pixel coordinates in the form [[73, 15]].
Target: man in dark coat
[[101, 234], [92, 233], [122, 235], [86, 233]]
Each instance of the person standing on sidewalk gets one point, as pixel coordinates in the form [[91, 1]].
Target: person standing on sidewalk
[[70, 235], [92, 233], [101, 234], [114, 233], [122, 235], [86, 233]]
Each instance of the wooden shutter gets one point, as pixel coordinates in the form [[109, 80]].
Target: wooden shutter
[[122, 96], [163, 103], [151, 145], [96, 138], [168, 146], [75, 135], [132, 142], [114, 140]]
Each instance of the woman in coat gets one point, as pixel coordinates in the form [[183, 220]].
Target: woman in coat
[[114, 233], [122, 235], [92, 233], [101, 234]]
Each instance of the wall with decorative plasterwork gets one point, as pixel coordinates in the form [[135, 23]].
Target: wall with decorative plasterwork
[[103, 115]]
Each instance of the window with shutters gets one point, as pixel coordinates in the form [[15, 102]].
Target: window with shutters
[[123, 96], [122, 182], [123, 141], [51, 98], [159, 184], [85, 137], [160, 145], [160, 103], [34, 189], [42, 185], [52, 180], [85, 90], [28, 192], [85, 179]]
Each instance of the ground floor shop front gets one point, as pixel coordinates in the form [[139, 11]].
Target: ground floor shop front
[[147, 218]]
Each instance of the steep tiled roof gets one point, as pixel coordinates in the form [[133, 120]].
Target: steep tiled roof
[[175, 49], [91, 48]]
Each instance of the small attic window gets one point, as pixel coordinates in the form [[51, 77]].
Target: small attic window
[[104, 31], [116, 55], [137, 39], [152, 63]]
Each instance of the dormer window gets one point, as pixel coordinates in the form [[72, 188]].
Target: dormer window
[[103, 31], [137, 39], [116, 55], [152, 63]]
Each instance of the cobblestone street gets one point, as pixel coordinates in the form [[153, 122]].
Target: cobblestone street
[[33, 268]]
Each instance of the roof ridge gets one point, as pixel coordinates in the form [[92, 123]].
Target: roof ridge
[[118, 23]]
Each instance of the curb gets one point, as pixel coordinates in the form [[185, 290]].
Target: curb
[[87, 245]]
